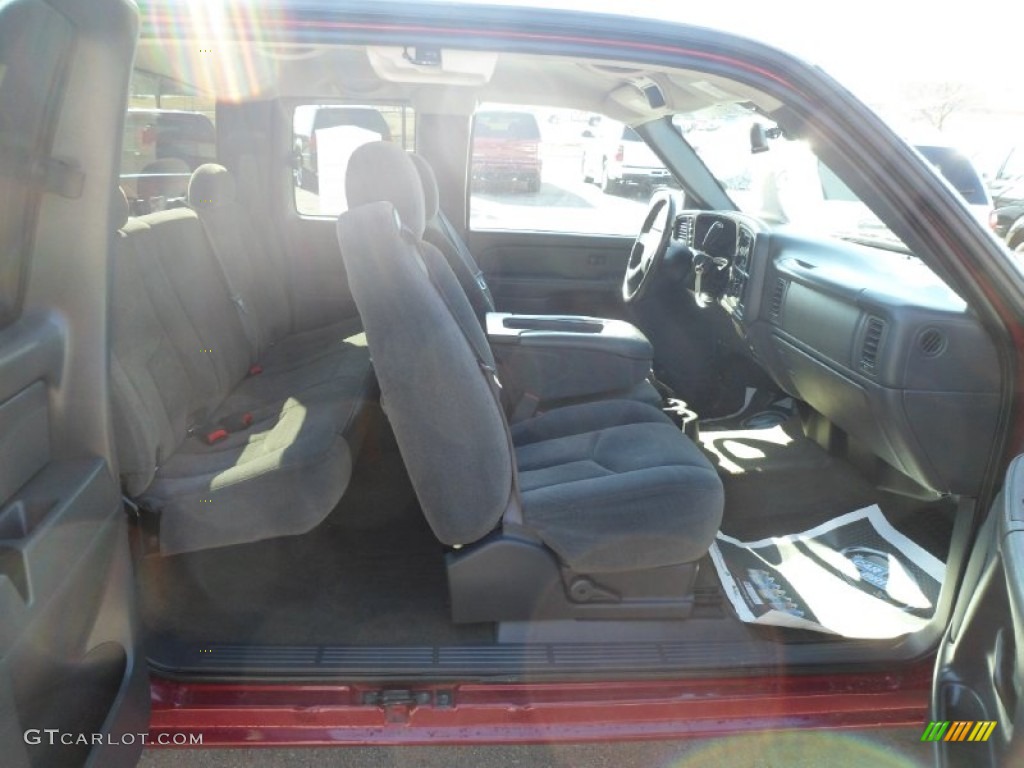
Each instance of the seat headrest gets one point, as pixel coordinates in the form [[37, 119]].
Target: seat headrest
[[211, 186], [382, 171], [431, 197], [120, 210]]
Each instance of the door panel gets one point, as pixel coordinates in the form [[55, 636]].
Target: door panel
[[69, 654], [978, 677], [544, 273], [71, 666]]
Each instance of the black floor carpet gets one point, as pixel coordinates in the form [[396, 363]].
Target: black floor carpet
[[371, 574], [775, 488]]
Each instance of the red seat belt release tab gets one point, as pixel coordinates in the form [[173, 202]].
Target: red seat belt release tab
[[255, 369], [215, 436]]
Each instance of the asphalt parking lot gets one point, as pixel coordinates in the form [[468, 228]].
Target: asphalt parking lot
[[897, 748]]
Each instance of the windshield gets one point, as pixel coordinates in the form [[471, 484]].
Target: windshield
[[783, 182]]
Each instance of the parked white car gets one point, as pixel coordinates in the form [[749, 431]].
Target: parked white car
[[615, 156]]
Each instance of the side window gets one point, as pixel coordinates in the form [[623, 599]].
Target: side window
[[168, 133], [324, 136], [32, 63], [558, 170]]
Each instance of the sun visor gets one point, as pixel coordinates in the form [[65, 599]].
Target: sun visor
[[431, 65]]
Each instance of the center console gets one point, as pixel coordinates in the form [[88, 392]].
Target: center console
[[554, 359]]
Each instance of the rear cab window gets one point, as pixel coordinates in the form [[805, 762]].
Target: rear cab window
[[169, 131], [324, 136]]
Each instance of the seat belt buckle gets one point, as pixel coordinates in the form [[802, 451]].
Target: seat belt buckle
[[255, 369]]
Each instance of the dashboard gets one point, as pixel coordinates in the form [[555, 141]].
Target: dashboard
[[870, 338]]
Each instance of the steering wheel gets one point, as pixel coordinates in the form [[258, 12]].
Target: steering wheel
[[649, 248]]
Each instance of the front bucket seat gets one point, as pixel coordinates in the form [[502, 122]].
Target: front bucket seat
[[599, 510]]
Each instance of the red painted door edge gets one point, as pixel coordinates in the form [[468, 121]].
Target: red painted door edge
[[235, 715]]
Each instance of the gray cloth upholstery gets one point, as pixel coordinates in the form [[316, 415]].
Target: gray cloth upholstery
[[449, 430], [280, 477], [440, 233], [252, 270], [614, 486], [249, 269], [180, 359], [431, 195], [609, 486], [381, 171]]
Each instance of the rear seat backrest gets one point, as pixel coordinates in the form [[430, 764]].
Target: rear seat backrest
[[274, 452], [155, 389], [248, 265], [193, 300]]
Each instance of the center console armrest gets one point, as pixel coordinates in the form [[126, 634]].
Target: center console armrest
[[568, 357]]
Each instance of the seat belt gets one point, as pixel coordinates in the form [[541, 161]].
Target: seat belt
[[252, 333], [467, 258], [261, 217], [432, 260], [528, 403]]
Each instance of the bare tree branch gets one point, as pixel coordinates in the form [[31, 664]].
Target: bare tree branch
[[936, 102]]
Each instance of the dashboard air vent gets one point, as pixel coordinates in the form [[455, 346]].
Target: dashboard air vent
[[777, 300], [932, 342], [684, 230], [873, 333]]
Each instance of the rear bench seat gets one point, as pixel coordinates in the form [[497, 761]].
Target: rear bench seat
[[185, 366]]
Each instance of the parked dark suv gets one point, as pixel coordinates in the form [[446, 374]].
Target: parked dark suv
[[506, 149]]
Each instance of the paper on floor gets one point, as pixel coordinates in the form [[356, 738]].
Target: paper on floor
[[854, 576]]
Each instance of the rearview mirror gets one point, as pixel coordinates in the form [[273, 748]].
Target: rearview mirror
[[758, 139], [759, 136]]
